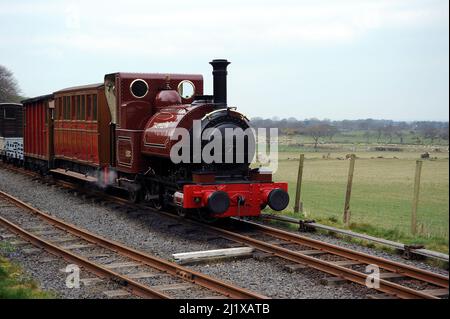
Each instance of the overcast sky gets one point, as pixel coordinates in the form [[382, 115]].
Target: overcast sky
[[346, 59]]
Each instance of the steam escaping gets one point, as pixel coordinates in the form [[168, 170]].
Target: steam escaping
[[106, 177]]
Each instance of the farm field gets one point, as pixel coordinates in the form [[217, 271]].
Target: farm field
[[381, 196]]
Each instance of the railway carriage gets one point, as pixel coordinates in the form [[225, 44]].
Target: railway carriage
[[38, 132], [11, 134], [81, 130]]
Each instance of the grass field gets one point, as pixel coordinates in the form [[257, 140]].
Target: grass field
[[382, 191]]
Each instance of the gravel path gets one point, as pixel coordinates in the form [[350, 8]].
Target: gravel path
[[163, 237]]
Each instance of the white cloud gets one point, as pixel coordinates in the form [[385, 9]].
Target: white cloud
[[145, 27]]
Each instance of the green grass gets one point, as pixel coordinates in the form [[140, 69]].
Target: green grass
[[14, 285], [381, 196]]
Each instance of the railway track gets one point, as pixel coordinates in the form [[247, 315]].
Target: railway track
[[395, 280], [87, 249]]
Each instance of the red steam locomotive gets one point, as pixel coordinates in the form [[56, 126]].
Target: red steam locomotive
[[123, 132]]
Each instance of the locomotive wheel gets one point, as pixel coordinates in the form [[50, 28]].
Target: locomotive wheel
[[156, 204], [135, 196]]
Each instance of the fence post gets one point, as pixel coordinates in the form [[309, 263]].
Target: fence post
[[416, 197], [297, 206], [349, 191]]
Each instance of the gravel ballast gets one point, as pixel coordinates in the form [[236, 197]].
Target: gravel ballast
[[163, 237]]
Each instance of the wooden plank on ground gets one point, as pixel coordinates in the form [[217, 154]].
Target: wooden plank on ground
[[207, 255], [333, 281], [63, 239], [182, 286], [122, 265], [295, 267], [77, 246], [391, 275], [46, 232], [347, 262], [141, 275], [312, 252]]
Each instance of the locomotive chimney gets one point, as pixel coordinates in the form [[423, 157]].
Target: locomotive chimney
[[220, 81]]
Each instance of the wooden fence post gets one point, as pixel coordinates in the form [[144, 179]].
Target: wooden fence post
[[349, 191], [299, 185], [416, 197]]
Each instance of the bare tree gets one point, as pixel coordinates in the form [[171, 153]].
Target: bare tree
[[367, 135], [9, 89], [400, 134], [379, 133], [389, 132], [319, 130], [330, 131], [431, 133], [444, 134]]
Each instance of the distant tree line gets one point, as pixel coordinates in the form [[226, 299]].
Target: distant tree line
[[386, 131]]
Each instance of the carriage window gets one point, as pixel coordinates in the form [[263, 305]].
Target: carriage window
[[69, 107], [78, 114], [58, 109], [83, 108], [88, 108], [73, 101], [66, 113], [9, 114], [94, 108], [61, 110]]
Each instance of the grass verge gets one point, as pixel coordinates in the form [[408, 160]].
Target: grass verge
[[15, 285]]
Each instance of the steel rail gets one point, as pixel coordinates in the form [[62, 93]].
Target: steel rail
[[219, 286], [131, 285], [396, 267], [325, 266], [299, 258]]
